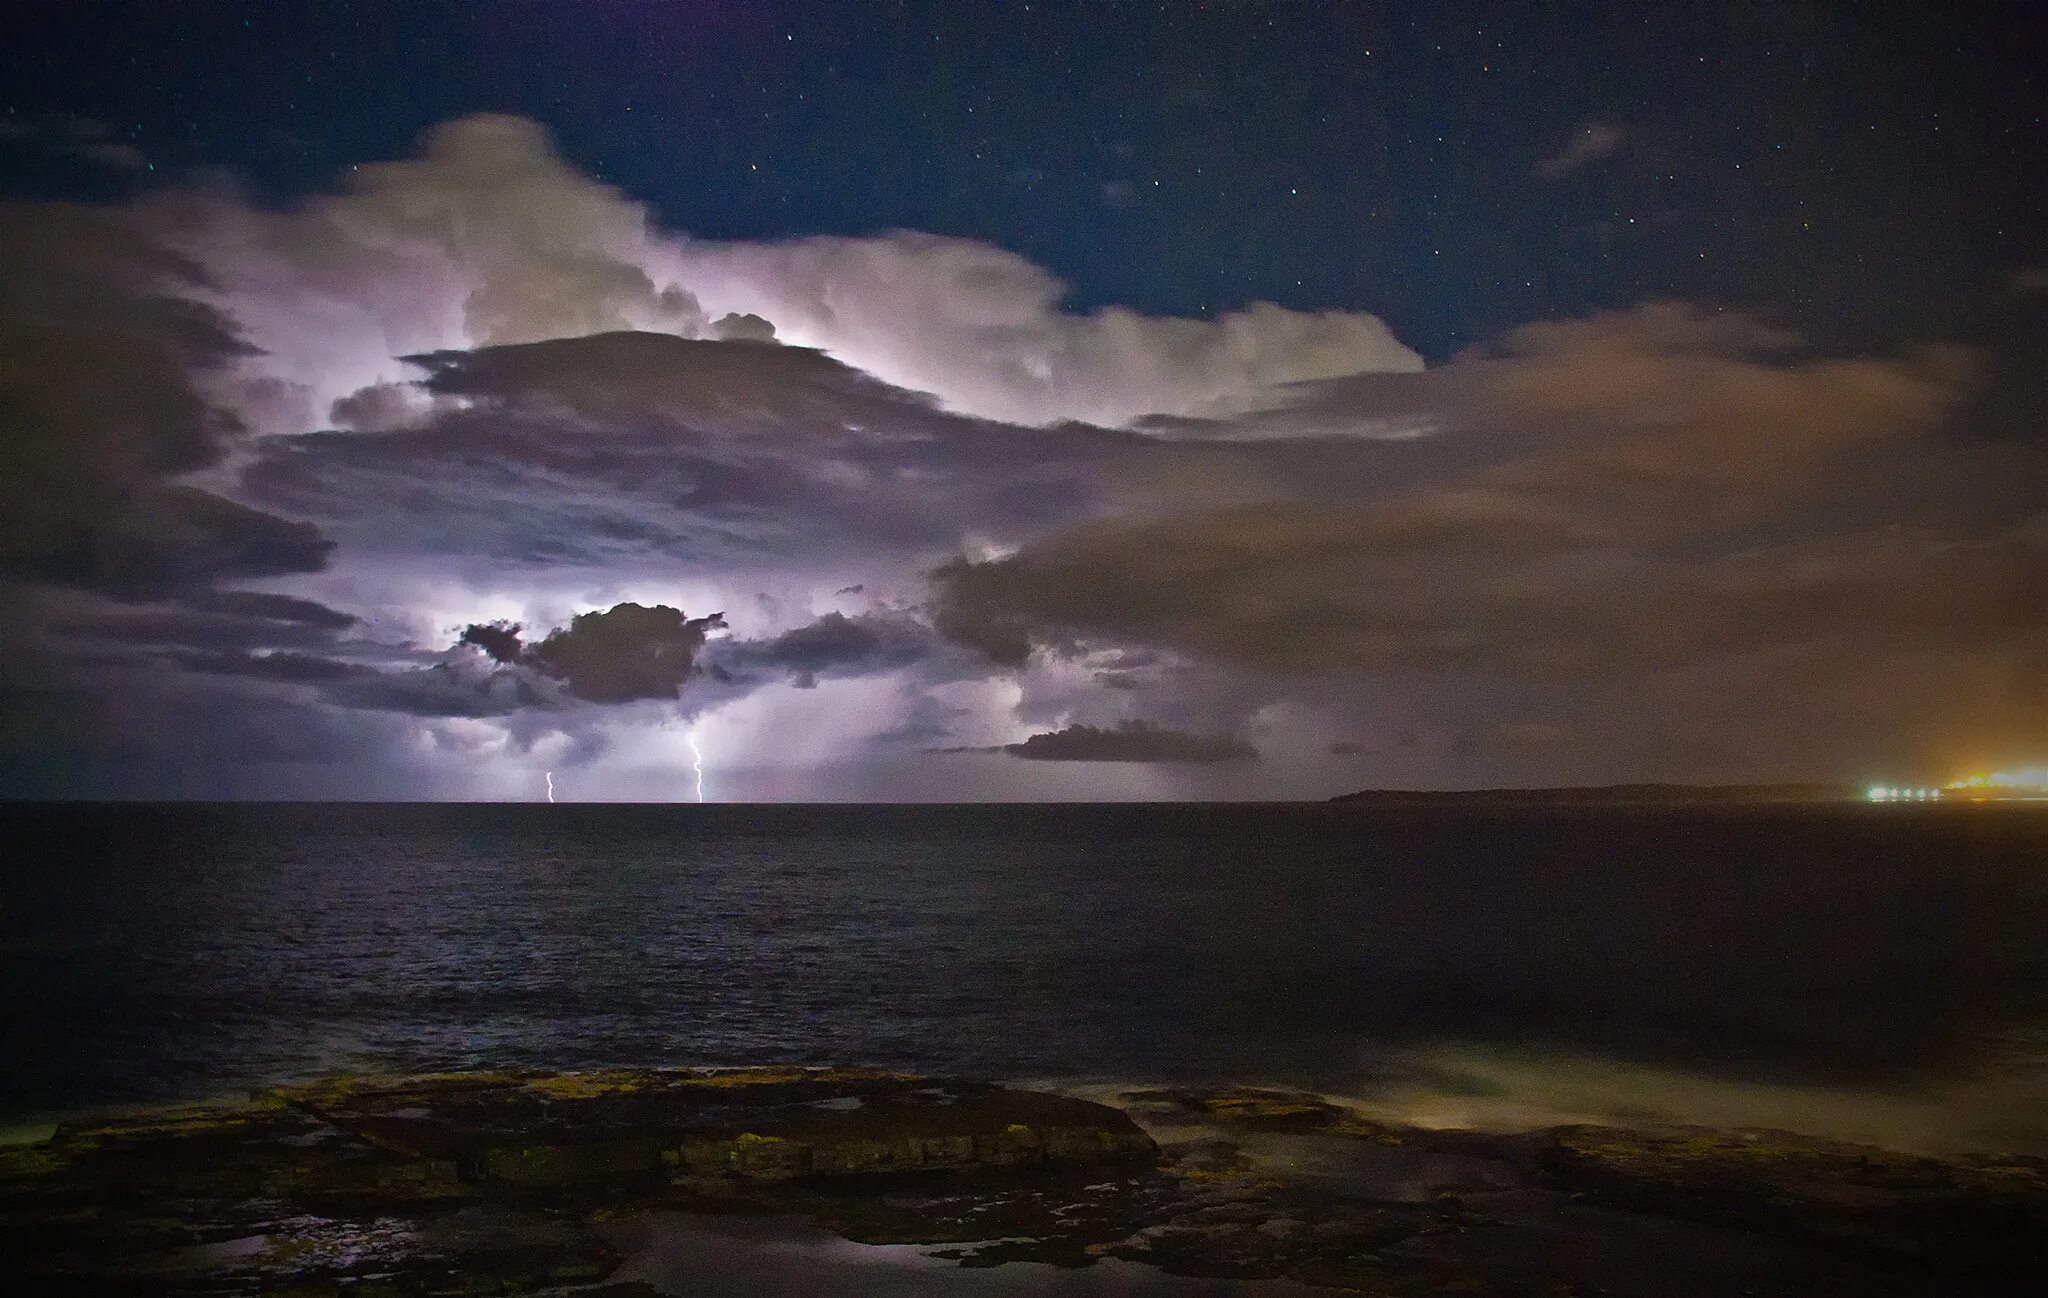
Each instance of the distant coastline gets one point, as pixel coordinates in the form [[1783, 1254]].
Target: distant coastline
[[1616, 794]]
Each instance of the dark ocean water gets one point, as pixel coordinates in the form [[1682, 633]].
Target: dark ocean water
[[1862, 970]]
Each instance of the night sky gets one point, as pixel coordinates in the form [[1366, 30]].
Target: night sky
[[1006, 400]]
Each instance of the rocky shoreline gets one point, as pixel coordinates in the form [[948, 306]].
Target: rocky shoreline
[[519, 1182]]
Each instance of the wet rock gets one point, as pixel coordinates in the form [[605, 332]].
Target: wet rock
[[473, 1250], [1974, 1217], [1268, 1110], [401, 1183], [1579, 1209], [646, 1127], [521, 1182]]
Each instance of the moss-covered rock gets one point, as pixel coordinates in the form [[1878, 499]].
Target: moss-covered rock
[[642, 1128]]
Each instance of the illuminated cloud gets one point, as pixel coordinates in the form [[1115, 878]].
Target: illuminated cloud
[[485, 237], [489, 237], [983, 330]]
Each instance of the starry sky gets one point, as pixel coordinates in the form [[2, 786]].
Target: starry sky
[[1019, 400]]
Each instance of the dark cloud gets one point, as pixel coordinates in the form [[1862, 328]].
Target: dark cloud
[[284, 665], [1133, 741], [187, 624], [1666, 504], [743, 328], [271, 607], [98, 353], [614, 656], [461, 684], [629, 449], [499, 640], [102, 356], [622, 654], [837, 645], [632, 380], [168, 538], [622, 447], [1307, 590], [626, 652], [128, 730], [1638, 460]]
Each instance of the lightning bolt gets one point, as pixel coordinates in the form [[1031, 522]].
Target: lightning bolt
[[696, 762], [551, 786]]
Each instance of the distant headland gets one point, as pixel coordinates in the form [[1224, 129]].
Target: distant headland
[[1615, 794]]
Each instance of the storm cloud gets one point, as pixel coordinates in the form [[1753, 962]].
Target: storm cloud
[[104, 360], [1636, 463], [365, 447], [1660, 505], [1133, 741], [489, 237], [838, 645], [625, 652]]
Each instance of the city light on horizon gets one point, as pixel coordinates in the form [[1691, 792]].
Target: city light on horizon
[[2030, 778], [2026, 783]]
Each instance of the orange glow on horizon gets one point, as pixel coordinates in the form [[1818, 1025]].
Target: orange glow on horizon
[[2033, 777]]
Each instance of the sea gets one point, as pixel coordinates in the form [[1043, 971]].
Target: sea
[[1868, 972]]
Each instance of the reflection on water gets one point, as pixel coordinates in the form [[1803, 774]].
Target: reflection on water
[[777, 1257]]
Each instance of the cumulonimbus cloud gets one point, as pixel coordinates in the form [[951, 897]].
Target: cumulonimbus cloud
[[489, 237], [545, 402], [983, 329]]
